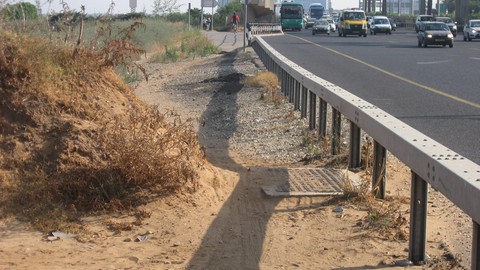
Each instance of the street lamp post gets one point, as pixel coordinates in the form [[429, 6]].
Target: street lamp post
[[245, 25]]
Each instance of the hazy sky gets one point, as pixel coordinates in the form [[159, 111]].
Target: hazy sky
[[122, 6]]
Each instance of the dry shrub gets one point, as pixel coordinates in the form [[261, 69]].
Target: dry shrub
[[264, 79], [150, 152], [269, 86], [367, 154], [388, 220], [40, 78], [143, 157], [385, 218], [74, 140]]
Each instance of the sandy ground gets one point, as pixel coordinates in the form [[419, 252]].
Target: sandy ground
[[229, 223]]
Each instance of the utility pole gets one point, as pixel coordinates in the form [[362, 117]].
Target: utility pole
[[245, 25]]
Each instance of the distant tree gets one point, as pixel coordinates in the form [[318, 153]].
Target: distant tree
[[450, 6], [177, 17], [227, 11], [195, 14], [20, 11], [129, 16], [475, 6], [183, 17], [162, 7]]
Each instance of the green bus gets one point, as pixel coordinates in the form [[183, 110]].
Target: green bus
[[291, 16]]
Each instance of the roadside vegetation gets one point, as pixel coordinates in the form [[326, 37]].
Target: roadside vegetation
[[74, 138]]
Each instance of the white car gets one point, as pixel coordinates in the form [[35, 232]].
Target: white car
[[333, 25], [471, 30], [380, 24], [321, 27]]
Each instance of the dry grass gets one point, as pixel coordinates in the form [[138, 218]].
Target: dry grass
[[269, 87], [385, 218], [74, 140], [190, 44]]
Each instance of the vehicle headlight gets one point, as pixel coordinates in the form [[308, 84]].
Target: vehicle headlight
[[450, 36], [429, 36], [474, 31]]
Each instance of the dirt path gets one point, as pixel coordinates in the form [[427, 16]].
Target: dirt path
[[229, 223], [253, 231]]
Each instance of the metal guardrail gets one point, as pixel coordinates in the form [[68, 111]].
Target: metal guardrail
[[265, 28], [454, 176]]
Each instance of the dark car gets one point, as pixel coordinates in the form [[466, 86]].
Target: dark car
[[393, 24], [434, 33], [450, 23]]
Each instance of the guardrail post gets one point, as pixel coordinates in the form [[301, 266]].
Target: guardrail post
[[287, 84], [355, 145], [296, 96], [379, 170], [284, 81], [418, 219], [313, 111], [475, 248], [322, 118], [291, 90], [303, 113], [336, 131]]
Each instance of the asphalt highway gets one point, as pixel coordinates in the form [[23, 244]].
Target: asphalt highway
[[436, 90]]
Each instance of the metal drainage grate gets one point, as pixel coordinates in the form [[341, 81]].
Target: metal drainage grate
[[308, 182]]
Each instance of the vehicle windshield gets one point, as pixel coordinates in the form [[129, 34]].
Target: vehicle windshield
[[316, 13], [322, 23], [381, 21], [436, 26], [425, 19], [292, 12], [475, 24], [354, 16], [445, 20]]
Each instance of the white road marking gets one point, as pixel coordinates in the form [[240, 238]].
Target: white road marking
[[434, 62]]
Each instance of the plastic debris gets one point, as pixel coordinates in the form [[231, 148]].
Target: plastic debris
[[338, 209], [403, 263], [141, 238], [56, 235]]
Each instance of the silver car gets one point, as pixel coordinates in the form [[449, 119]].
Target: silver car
[[321, 27], [471, 30], [451, 24], [380, 24]]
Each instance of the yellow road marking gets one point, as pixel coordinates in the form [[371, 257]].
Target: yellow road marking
[[436, 91]]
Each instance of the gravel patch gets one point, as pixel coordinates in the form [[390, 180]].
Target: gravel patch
[[212, 92]]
